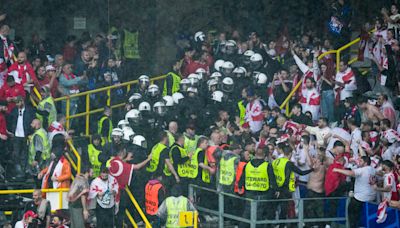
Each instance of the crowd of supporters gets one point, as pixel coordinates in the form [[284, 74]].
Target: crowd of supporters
[[217, 120]]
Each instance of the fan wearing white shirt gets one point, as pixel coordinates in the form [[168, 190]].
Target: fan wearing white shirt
[[364, 190], [356, 137]]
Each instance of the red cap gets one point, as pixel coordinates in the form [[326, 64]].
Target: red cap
[[30, 214]]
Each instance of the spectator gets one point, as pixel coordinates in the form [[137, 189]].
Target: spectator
[[41, 207], [345, 82], [10, 91], [23, 72], [322, 131], [104, 189], [363, 188], [387, 109], [299, 117], [77, 199], [27, 220], [19, 125]]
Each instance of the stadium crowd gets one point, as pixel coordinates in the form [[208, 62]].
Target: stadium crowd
[[214, 121]]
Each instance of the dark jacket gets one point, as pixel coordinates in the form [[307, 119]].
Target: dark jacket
[[28, 116]]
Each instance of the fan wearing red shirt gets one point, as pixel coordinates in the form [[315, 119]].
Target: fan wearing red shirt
[[122, 170], [334, 183], [201, 60], [3, 125], [22, 70], [10, 91]]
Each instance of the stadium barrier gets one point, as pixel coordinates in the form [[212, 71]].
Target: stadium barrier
[[223, 213]]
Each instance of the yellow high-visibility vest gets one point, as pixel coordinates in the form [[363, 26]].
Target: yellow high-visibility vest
[[279, 166], [256, 178]]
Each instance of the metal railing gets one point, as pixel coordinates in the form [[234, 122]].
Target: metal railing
[[87, 94], [139, 210], [49, 190], [253, 220]]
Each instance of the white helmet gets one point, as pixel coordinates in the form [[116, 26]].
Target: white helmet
[[144, 106], [246, 56], [218, 64], [117, 132], [159, 108], [123, 123], [128, 133], [256, 61], [133, 116], [216, 75], [192, 90], [139, 140], [144, 80], [201, 73], [260, 79], [153, 90], [212, 82], [239, 72], [227, 68], [217, 96], [135, 98], [194, 80], [227, 85], [230, 47], [177, 96], [168, 100], [184, 84], [199, 36]]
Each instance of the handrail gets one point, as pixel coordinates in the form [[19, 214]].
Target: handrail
[[47, 190], [78, 157], [139, 210], [106, 88]]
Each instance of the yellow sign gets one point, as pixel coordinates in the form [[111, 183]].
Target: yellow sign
[[186, 219]]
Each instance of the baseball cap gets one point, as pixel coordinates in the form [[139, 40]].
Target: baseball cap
[[30, 214]]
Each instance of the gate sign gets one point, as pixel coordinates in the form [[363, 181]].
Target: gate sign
[[186, 218]]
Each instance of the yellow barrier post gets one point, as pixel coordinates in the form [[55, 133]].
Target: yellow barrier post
[[87, 114], [67, 112], [287, 109], [78, 157], [139, 210], [133, 222], [109, 97]]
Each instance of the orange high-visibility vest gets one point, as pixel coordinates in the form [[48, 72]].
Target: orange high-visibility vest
[[239, 173], [151, 199]]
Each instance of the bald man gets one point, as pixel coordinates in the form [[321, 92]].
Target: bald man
[[39, 147], [172, 130], [23, 71]]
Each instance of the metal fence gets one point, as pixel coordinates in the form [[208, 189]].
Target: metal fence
[[223, 213]]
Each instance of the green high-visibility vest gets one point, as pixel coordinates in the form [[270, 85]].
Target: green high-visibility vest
[[183, 169], [155, 159], [175, 84], [52, 114], [175, 205], [100, 129], [279, 166], [227, 171], [256, 178], [131, 45], [190, 144], [171, 138], [93, 154], [205, 174], [46, 146], [242, 112]]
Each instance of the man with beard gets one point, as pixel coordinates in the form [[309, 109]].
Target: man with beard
[[104, 189], [48, 78], [22, 71], [41, 207], [310, 99]]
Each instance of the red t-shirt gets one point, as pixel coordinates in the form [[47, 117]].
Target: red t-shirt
[[3, 124], [333, 179], [53, 89], [23, 70], [7, 92]]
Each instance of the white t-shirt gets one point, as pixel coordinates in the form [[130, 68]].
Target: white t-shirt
[[389, 180], [363, 188], [354, 142], [19, 224], [300, 157]]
